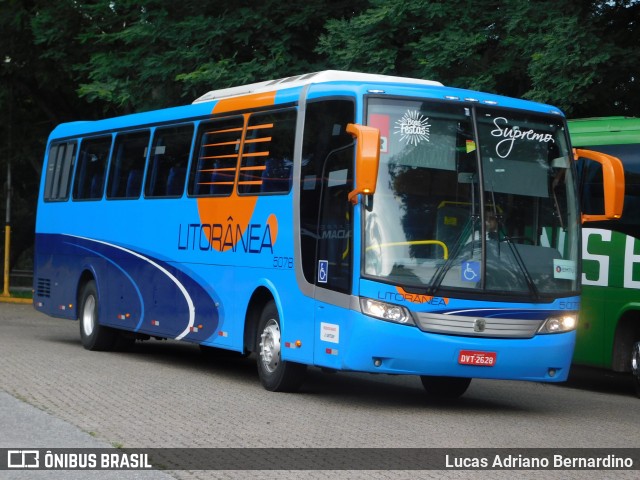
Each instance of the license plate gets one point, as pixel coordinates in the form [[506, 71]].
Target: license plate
[[480, 359]]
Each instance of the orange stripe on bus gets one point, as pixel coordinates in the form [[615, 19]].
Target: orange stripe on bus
[[225, 130], [254, 168], [256, 154], [228, 169], [235, 155], [236, 142], [245, 102], [259, 127], [257, 140]]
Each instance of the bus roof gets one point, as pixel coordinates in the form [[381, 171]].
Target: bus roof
[[309, 78], [604, 131], [288, 90]]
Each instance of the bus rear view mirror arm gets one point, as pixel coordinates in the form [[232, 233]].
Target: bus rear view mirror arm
[[367, 160], [613, 180]]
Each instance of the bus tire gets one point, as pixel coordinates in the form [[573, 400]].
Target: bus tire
[[93, 335], [275, 374], [445, 387], [635, 366]]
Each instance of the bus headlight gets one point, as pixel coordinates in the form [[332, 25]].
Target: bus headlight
[[560, 323], [386, 311]]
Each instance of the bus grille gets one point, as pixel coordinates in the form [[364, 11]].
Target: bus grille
[[477, 326], [43, 288]]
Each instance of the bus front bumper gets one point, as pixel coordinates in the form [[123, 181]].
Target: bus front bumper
[[384, 347]]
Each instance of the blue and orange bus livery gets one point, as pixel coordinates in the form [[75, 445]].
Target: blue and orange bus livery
[[341, 220]]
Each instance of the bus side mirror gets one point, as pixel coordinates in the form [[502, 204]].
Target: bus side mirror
[[613, 183], [367, 160]]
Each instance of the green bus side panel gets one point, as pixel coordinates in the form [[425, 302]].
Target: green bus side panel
[[612, 260], [604, 131]]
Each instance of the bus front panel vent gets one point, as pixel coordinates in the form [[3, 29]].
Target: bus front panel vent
[[43, 288]]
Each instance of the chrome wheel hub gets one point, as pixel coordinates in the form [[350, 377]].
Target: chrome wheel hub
[[270, 346], [88, 316]]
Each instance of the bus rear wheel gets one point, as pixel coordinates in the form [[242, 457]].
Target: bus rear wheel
[[445, 387], [635, 366], [93, 335], [276, 375]]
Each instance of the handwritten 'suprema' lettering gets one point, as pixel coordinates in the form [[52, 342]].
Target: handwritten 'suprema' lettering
[[510, 134]]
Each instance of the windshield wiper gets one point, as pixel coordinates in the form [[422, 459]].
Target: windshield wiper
[[519, 261], [554, 184]]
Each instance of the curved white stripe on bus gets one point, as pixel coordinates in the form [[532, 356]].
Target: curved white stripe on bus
[[187, 297]]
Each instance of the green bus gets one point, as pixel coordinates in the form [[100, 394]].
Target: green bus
[[609, 329]]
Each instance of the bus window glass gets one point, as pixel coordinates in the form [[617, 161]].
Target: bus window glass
[[529, 180], [324, 138], [213, 170], [59, 169], [90, 170], [127, 165], [591, 188], [427, 191], [496, 212], [168, 161], [267, 157], [335, 225]]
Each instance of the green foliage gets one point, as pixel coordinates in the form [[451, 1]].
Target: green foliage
[[72, 60], [559, 52]]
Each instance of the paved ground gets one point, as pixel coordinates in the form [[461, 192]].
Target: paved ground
[[25, 426], [165, 394]]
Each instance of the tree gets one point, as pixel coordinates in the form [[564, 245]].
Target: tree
[[164, 53], [70, 60], [580, 56]]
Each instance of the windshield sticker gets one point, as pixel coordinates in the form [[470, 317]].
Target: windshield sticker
[[470, 271], [470, 146], [511, 134], [323, 271], [413, 128], [564, 269], [381, 122]]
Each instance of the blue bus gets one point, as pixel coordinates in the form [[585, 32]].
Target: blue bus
[[341, 220]]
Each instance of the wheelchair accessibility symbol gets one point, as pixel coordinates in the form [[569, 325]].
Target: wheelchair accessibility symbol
[[323, 271], [470, 271]]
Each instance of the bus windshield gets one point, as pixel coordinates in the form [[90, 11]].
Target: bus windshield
[[471, 198]]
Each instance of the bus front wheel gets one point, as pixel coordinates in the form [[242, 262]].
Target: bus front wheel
[[445, 387], [93, 335], [276, 375], [635, 366]]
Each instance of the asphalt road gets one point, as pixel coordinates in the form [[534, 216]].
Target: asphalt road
[[163, 394]]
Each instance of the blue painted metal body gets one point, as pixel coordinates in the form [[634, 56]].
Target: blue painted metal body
[[158, 274]]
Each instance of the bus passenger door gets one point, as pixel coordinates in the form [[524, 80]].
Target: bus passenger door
[[326, 223], [334, 256]]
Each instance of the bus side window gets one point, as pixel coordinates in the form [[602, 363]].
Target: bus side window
[[167, 170], [267, 157], [127, 165], [92, 162], [59, 168], [213, 170]]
